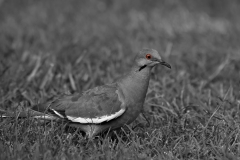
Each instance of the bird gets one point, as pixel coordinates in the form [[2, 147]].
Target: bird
[[106, 107]]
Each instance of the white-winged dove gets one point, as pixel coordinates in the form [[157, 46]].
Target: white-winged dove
[[104, 107]]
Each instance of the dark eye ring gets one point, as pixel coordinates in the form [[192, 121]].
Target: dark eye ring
[[148, 56]]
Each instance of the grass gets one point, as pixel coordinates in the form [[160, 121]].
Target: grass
[[48, 48]]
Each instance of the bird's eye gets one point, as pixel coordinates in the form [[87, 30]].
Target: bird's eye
[[148, 56]]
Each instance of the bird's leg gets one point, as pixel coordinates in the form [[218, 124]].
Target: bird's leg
[[89, 133]]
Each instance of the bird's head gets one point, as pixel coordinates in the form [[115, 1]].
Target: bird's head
[[149, 58]]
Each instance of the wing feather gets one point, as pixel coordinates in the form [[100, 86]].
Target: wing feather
[[100, 104]]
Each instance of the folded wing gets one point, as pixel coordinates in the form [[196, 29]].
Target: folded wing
[[98, 105]]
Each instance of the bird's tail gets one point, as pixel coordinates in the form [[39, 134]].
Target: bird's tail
[[26, 113]]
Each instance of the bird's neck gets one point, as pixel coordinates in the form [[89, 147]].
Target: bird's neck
[[135, 83]]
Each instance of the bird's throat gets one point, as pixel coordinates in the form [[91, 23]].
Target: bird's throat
[[135, 84]]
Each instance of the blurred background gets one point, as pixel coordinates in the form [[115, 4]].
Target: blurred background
[[54, 47], [57, 46]]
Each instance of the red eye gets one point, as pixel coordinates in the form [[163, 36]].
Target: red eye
[[148, 56]]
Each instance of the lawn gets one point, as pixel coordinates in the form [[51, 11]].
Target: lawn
[[49, 48]]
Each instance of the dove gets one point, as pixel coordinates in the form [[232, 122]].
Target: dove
[[105, 107]]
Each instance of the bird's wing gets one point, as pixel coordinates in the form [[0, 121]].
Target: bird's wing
[[97, 105]]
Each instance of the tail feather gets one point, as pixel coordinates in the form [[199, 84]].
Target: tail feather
[[27, 113]]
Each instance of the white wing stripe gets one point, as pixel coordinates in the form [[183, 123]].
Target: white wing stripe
[[105, 118]]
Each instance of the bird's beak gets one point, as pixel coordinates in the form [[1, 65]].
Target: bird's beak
[[164, 63]]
